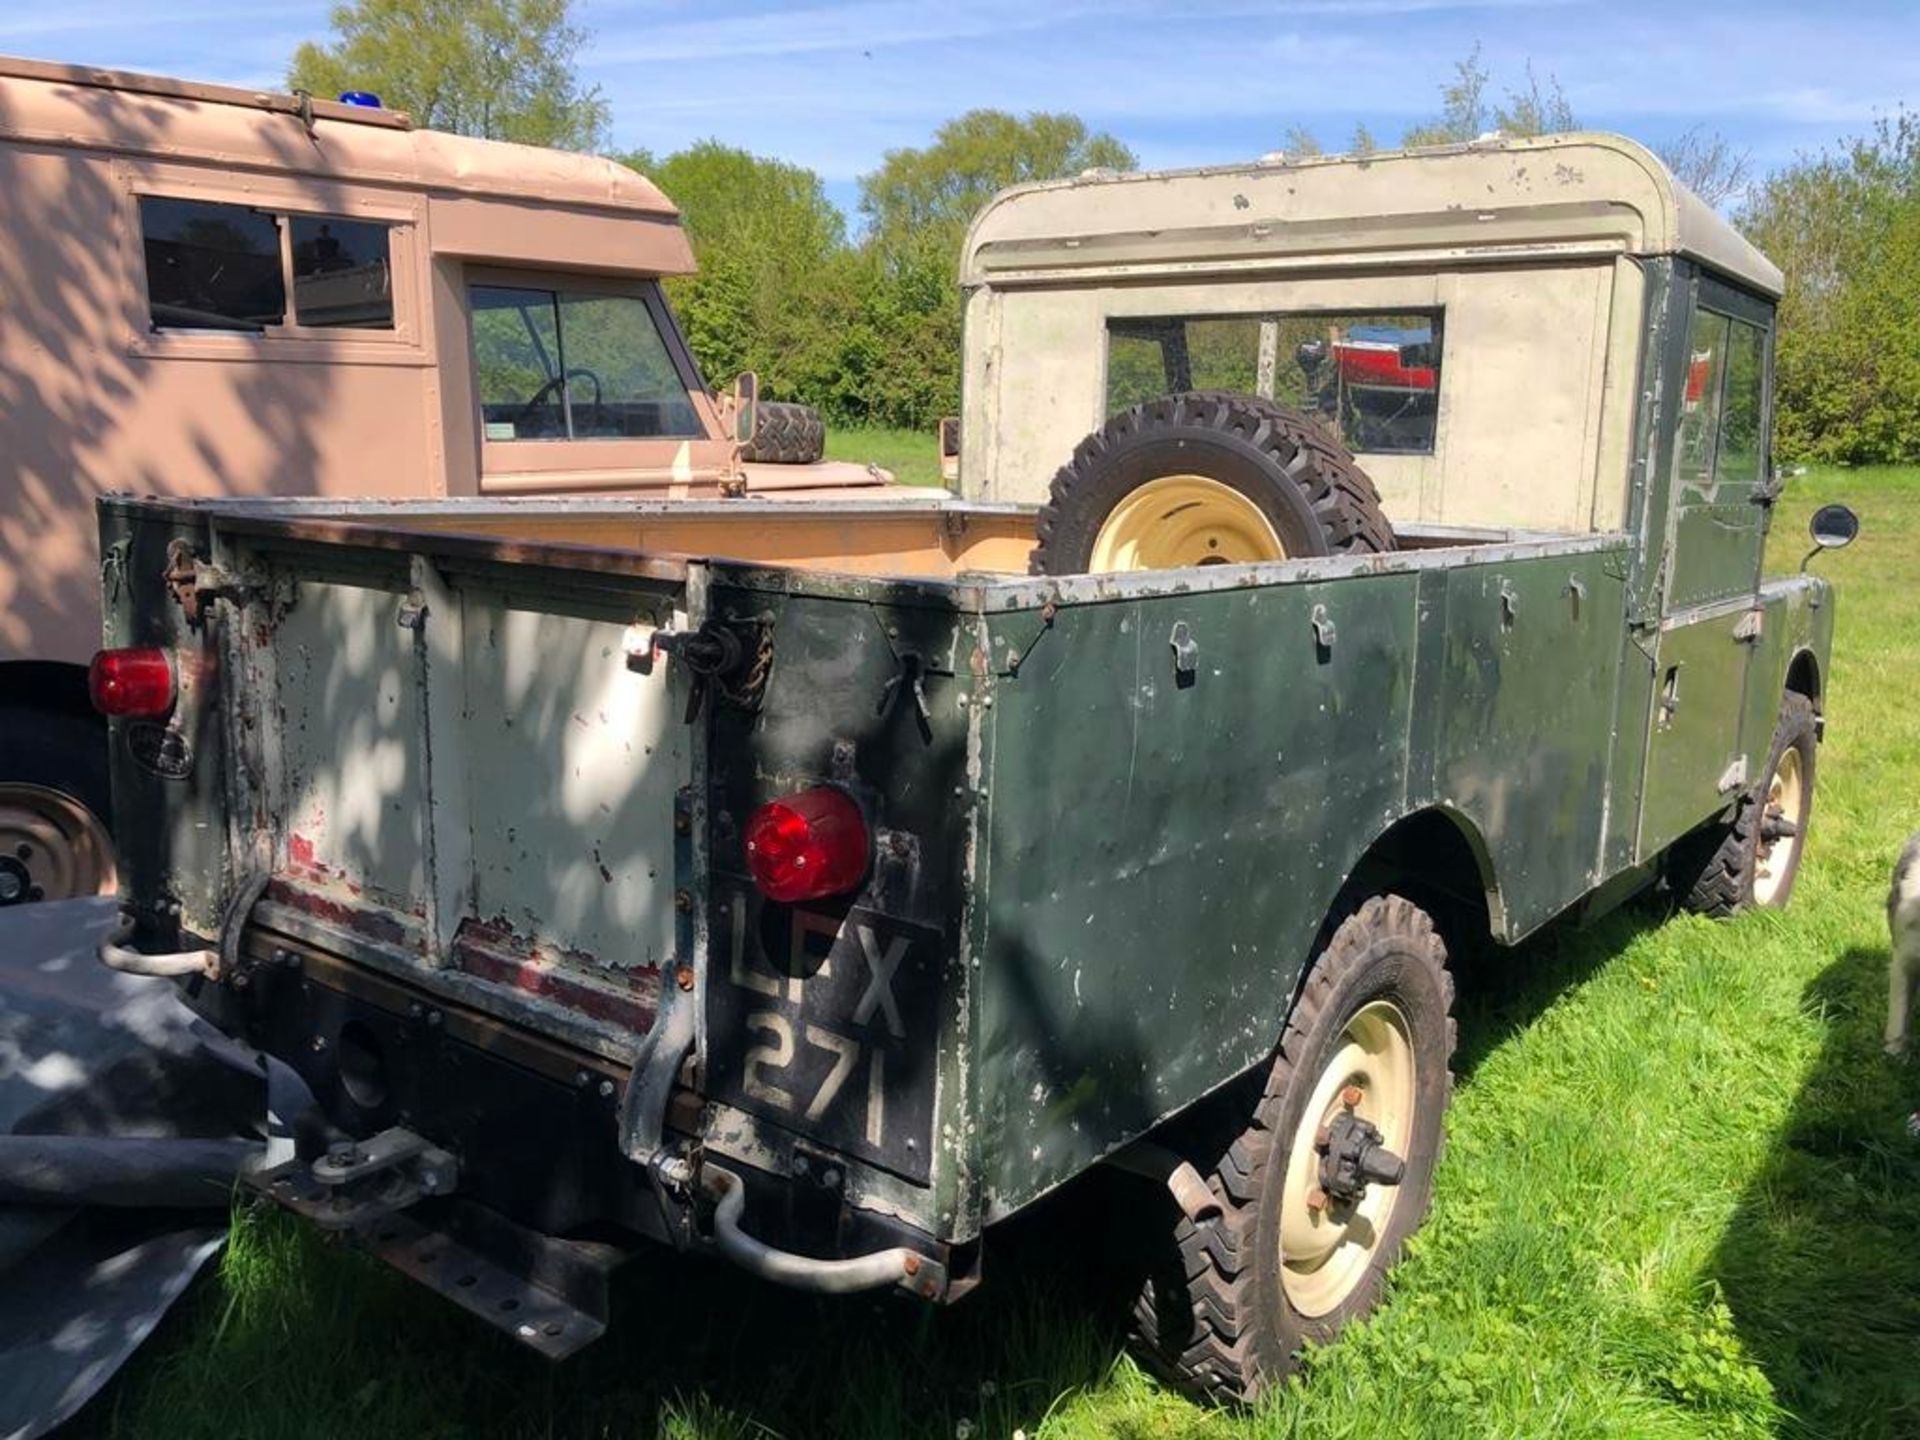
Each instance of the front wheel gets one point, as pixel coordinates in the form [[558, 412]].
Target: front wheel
[[1333, 1170], [1751, 861]]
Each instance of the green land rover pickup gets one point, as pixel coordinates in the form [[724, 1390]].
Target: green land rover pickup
[[1359, 564]]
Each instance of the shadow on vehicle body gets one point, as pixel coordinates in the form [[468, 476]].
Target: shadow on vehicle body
[[1821, 1262]]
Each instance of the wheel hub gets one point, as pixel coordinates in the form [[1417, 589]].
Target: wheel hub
[[1345, 1164], [1353, 1155], [52, 847], [1181, 520]]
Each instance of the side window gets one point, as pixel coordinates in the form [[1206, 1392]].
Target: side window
[[1720, 440], [516, 362], [1700, 402], [622, 381], [211, 267], [342, 273], [1373, 378], [574, 365], [1742, 446]]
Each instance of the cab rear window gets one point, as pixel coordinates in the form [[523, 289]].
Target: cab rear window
[[560, 364], [1373, 378]]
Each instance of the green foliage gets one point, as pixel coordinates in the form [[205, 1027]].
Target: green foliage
[[981, 152], [1844, 226], [501, 69], [867, 331], [772, 258]]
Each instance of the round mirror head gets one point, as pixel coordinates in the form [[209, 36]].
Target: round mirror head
[[1833, 526]]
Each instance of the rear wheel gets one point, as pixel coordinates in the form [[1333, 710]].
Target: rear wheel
[[54, 807], [1751, 860], [1205, 478], [1331, 1172]]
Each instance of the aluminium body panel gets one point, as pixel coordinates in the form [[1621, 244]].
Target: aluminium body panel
[[1111, 811], [1165, 842]]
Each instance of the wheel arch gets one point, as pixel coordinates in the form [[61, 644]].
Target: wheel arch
[[1804, 678], [1437, 857]]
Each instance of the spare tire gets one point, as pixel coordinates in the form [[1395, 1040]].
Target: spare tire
[[1206, 478], [786, 434]]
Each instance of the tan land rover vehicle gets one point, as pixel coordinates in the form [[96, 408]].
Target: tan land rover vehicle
[[207, 291]]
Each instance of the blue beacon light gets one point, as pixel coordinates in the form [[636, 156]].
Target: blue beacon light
[[366, 99]]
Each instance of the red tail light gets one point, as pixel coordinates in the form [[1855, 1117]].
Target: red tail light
[[809, 845], [131, 682]]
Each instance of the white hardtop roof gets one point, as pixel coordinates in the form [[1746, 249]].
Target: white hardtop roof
[[1554, 195]]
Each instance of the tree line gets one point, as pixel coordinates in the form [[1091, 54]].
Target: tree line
[[864, 322]]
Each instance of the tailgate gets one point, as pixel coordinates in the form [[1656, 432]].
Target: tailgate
[[458, 770]]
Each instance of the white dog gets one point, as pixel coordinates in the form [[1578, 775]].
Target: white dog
[[1903, 920]]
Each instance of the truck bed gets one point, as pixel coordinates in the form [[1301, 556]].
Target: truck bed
[[434, 758]]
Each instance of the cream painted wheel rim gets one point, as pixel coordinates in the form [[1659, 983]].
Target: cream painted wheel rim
[[52, 847], [1181, 520], [1326, 1248], [1786, 800]]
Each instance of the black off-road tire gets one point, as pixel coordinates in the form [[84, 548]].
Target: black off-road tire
[[786, 434], [1303, 480], [1714, 868], [1214, 1316]]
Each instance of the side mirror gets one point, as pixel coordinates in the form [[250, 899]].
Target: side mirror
[[746, 407], [1833, 527]]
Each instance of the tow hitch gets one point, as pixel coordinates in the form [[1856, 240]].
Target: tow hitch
[[546, 1293], [361, 1180]]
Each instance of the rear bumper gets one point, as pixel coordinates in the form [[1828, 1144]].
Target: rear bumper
[[534, 1126]]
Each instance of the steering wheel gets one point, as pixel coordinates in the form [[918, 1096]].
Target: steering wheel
[[552, 388]]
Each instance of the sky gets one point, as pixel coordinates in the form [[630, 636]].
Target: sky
[[835, 84]]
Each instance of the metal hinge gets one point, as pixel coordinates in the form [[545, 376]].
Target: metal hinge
[[194, 581], [1752, 626]]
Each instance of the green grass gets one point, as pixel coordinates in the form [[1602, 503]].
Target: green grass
[[912, 455], [1679, 1200]]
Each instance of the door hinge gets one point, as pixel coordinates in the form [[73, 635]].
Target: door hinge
[[1752, 626]]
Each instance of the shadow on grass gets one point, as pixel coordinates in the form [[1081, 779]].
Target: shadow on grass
[[1501, 992], [299, 1337], [1821, 1263]]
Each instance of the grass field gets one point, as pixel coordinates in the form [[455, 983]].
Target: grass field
[[912, 455], [1679, 1200]]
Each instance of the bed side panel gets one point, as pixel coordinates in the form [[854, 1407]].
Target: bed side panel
[[1168, 827]]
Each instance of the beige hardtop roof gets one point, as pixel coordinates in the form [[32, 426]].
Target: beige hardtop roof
[[165, 119], [1555, 195]]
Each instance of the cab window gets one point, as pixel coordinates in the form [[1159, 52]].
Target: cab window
[[1372, 378], [561, 364], [1720, 440], [211, 267], [214, 266]]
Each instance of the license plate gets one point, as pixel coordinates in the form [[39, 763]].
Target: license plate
[[827, 1023]]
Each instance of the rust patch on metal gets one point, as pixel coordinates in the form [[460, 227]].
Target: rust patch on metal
[[493, 950], [373, 921]]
